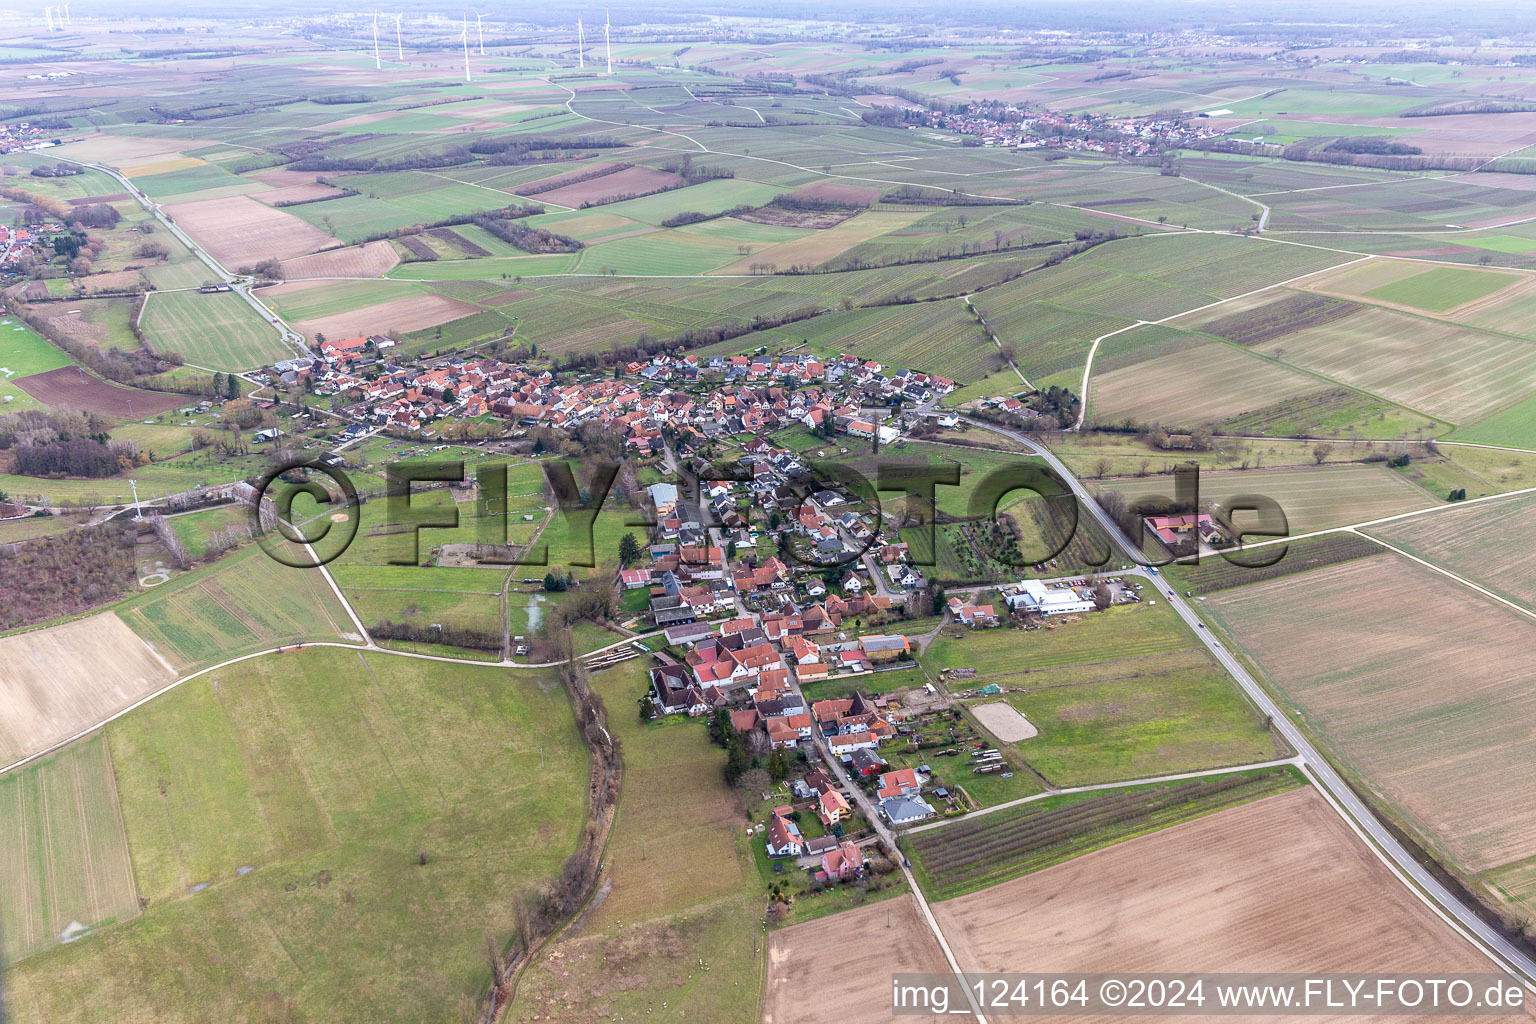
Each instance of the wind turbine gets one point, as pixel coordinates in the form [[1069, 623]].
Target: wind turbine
[[581, 46], [608, 43], [464, 35], [399, 49], [67, 19], [48, 13], [378, 65], [481, 30]]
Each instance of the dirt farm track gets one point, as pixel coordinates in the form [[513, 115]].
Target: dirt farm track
[[68, 388]]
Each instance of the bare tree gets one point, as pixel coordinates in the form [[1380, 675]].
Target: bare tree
[[1102, 466], [1321, 452]]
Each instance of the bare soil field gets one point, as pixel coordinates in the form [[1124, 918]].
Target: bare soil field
[[120, 150], [115, 197], [1487, 543], [68, 388], [1423, 691], [298, 193], [407, 314], [837, 970], [829, 192], [1276, 885], [56, 681], [238, 231], [632, 181], [373, 259]]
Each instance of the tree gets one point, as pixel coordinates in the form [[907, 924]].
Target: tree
[[1101, 467], [218, 384], [629, 549], [232, 386], [1101, 595], [647, 708], [1321, 452], [778, 765]]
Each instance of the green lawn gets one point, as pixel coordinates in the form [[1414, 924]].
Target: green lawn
[[327, 773]]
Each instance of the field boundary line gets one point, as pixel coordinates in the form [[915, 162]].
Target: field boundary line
[[1413, 887], [1082, 412], [1356, 527], [1095, 787], [1446, 572]]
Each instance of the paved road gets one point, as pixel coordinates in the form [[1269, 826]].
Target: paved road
[[1359, 817], [240, 285]]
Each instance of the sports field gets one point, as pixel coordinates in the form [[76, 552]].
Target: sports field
[[220, 331], [1120, 694]]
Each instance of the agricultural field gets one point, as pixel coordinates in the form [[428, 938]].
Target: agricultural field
[[70, 388], [817, 976], [242, 604], [1200, 897], [287, 799], [66, 678], [1484, 542], [985, 849], [64, 866], [220, 331], [1442, 758], [1312, 497], [238, 231]]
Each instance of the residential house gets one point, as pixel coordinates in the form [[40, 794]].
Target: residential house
[[784, 838], [844, 863]]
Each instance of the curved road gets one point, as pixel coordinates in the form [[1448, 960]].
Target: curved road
[[1356, 814]]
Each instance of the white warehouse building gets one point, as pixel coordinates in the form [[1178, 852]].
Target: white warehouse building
[[1034, 596]]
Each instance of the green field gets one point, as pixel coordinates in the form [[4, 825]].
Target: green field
[[1442, 288], [663, 914], [64, 864], [220, 331], [242, 604], [327, 773]]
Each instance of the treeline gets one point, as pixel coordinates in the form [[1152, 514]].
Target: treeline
[[56, 171], [695, 217], [534, 240], [341, 192], [922, 195], [90, 457], [493, 146], [1372, 145], [698, 337], [574, 179], [451, 156], [504, 213], [436, 633], [111, 364], [1446, 109]]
